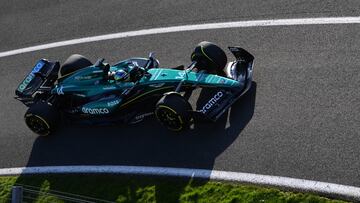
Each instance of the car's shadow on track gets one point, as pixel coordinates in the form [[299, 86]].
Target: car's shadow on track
[[145, 144]]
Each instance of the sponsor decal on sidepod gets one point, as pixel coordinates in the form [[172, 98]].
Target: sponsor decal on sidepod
[[95, 110], [144, 115], [113, 103]]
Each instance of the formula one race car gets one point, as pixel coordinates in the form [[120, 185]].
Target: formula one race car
[[133, 89]]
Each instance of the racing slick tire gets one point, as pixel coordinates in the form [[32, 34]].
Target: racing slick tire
[[209, 57], [42, 118], [173, 111], [73, 63]]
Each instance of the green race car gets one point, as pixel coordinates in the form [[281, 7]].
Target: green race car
[[133, 89]]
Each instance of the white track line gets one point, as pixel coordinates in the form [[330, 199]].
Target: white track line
[[207, 26], [300, 185]]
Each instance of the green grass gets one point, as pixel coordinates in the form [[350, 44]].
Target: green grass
[[150, 189]]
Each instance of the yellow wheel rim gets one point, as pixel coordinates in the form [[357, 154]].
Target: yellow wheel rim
[[37, 124], [169, 117]]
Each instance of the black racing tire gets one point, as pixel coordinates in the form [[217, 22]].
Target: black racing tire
[[173, 111], [73, 63], [42, 118], [209, 57]]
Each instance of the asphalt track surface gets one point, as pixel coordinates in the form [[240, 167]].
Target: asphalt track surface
[[301, 118]]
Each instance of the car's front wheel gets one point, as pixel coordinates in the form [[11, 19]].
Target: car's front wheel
[[173, 111], [209, 57], [42, 118]]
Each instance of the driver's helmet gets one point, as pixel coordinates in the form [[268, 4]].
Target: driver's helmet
[[121, 75]]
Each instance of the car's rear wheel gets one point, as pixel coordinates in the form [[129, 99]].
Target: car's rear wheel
[[209, 57], [173, 111], [73, 63], [42, 118]]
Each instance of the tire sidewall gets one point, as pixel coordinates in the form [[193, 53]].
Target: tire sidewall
[[45, 114], [175, 106], [73, 63], [210, 57]]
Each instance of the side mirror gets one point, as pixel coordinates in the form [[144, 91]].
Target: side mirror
[[151, 55], [99, 63], [150, 62]]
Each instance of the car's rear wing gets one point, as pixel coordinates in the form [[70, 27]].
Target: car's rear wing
[[39, 80]]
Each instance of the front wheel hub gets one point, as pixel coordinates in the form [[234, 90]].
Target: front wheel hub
[[37, 124], [168, 117]]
